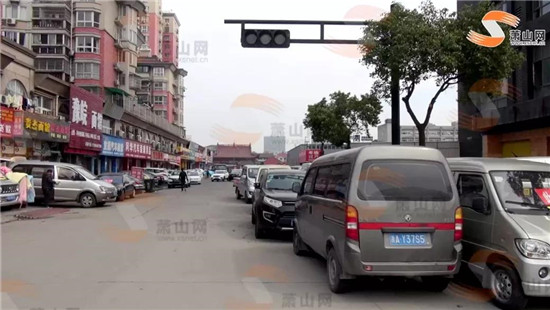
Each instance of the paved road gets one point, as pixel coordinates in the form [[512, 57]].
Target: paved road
[[174, 250]]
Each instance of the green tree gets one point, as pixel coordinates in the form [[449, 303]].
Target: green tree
[[430, 44], [342, 115]]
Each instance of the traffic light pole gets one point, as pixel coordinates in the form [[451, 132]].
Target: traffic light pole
[[394, 84]]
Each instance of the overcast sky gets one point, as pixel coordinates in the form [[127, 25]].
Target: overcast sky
[[234, 94]]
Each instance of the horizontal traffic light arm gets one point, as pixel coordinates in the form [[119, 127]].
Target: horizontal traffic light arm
[[320, 23]]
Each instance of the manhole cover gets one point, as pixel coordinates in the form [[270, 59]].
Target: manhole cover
[[40, 214]]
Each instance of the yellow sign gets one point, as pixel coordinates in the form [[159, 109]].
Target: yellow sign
[[37, 125]]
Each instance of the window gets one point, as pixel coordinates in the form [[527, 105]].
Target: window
[[321, 181], [38, 171], [545, 71], [14, 11], [397, 180], [92, 89], [121, 78], [66, 174], [542, 7], [44, 105], [159, 100], [159, 86], [49, 64], [470, 187], [158, 71], [16, 88], [87, 44], [17, 37], [50, 39], [143, 69], [339, 181], [87, 70], [161, 114], [87, 19], [145, 29]]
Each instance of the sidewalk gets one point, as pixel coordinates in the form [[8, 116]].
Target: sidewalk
[[10, 215]]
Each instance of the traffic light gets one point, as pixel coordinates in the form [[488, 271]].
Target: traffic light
[[265, 38]]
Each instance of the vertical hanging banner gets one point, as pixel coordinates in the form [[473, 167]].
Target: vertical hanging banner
[[86, 120]]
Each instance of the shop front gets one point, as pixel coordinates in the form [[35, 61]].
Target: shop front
[[136, 154], [112, 153], [173, 160], [157, 160], [85, 140], [11, 132], [199, 160], [309, 155]]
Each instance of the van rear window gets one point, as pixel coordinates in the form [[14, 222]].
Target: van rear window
[[403, 181]]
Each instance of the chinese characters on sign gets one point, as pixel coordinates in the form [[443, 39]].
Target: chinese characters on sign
[[183, 231], [86, 120], [309, 155], [137, 149], [528, 37], [42, 128], [200, 48], [137, 172], [113, 146], [6, 122]]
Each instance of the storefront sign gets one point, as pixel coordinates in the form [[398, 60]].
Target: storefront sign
[[137, 172], [86, 120], [136, 149], [174, 160], [309, 155], [112, 146], [40, 127], [157, 156], [18, 124], [20, 148], [7, 147], [6, 122]]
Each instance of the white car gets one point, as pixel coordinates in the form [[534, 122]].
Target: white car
[[219, 175], [194, 177]]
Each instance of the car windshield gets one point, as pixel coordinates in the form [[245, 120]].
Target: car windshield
[[193, 174], [113, 179], [253, 172], [87, 174], [528, 190], [236, 171], [398, 181], [282, 182]]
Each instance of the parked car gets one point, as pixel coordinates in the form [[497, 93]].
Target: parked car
[[305, 166], [245, 187], [126, 187], [381, 211], [219, 175], [161, 173], [296, 167], [540, 159], [274, 208], [264, 169], [506, 226], [73, 182], [9, 192], [235, 173], [194, 177], [139, 184]]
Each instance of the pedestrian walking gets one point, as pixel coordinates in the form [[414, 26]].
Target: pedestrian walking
[[183, 180], [48, 187]]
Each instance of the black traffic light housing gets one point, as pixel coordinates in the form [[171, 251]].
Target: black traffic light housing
[[265, 38]]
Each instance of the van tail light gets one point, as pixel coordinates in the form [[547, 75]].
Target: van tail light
[[458, 224], [352, 223]]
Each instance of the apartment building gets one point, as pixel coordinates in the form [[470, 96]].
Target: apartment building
[[170, 38], [433, 133], [150, 24], [516, 123], [16, 22]]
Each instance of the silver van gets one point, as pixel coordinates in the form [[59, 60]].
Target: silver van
[[506, 226], [72, 183], [245, 187], [381, 211]]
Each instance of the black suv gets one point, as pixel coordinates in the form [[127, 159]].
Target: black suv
[[274, 210]]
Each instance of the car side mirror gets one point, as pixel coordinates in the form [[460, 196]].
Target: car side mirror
[[257, 185], [296, 187], [481, 205]]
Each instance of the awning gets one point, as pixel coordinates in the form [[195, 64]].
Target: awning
[[117, 91], [70, 150]]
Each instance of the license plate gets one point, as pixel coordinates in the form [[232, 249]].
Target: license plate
[[11, 198], [409, 239]]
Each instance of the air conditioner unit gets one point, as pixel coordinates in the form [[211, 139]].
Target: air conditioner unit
[[117, 83], [71, 79], [71, 53], [12, 21]]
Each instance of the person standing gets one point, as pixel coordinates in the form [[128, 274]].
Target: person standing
[[48, 187], [183, 179]]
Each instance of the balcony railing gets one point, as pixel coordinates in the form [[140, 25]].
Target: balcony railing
[[131, 106], [51, 24]]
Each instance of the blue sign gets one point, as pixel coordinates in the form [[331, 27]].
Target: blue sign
[[112, 146]]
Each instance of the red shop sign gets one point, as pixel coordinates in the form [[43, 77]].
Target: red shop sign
[[544, 195], [157, 156], [86, 120], [6, 122], [136, 149]]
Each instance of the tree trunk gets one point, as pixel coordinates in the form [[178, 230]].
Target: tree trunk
[[322, 148], [348, 144], [421, 135]]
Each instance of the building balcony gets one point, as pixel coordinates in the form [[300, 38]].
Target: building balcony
[[144, 113], [51, 50], [122, 43], [135, 4], [51, 24]]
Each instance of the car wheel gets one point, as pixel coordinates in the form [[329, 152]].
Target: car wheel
[[237, 194], [298, 245], [259, 232], [122, 196], [87, 200], [506, 287], [253, 218], [133, 194], [435, 284], [248, 200], [334, 271]]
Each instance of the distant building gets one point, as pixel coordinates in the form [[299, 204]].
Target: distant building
[[274, 144], [234, 154], [410, 133]]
